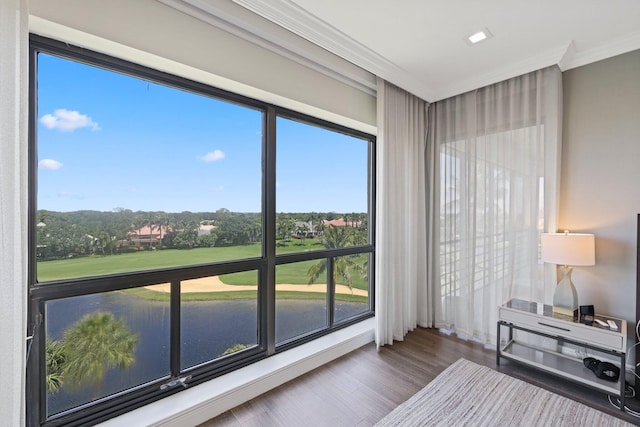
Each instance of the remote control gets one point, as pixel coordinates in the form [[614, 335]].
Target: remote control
[[601, 323], [612, 325]]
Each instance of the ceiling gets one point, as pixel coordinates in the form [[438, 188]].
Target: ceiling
[[420, 45]]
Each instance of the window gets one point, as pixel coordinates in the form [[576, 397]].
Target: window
[[322, 196], [492, 199], [491, 215], [168, 219]]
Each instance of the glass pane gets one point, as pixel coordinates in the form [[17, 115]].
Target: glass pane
[[133, 175], [321, 189], [352, 286], [219, 316], [101, 344], [301, 299]]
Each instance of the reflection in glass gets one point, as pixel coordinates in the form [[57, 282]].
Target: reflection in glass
[[301, 307], [219, 316], [352, 286], [101, 344]]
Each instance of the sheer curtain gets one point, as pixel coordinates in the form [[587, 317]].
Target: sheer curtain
[[495, 153], [402, 297]]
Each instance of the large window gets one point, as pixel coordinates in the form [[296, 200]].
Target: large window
[[179, 232], [491, 215], [497, 150], [322, 203]]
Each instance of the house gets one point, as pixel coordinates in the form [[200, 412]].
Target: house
[[599, 170], [148, 235], [341, 222], [304, 229], [205, 229]]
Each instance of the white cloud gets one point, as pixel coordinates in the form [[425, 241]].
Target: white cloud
[[213, 156], [68, 121], [49, 164]]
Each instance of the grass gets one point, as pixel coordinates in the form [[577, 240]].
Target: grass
[[233, 295], [97, 265], [294, 273], [196, 296]]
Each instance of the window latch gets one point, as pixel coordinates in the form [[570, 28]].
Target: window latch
[[34, 333], [182, 381]]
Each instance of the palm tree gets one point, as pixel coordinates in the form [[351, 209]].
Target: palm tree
[[318, 227], [95, 344], [55, 360], [137, 224], [336, 237], [285, 228], [163, 227], [102, 241], [302, 231], [151, 221]]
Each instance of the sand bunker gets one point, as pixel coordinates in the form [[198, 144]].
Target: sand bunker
[[214, 284]]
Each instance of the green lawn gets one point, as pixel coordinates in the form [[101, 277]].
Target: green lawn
[[295, 273], [97, 265], [208, 296]]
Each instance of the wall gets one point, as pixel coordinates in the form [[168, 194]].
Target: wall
[[150, 33], [600, 178]]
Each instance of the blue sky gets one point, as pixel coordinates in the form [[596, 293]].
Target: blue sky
[[109, 141]]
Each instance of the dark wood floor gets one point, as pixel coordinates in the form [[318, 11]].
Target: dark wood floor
[[361, 387]]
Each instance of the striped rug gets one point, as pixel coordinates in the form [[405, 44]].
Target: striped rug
[[468, 394]]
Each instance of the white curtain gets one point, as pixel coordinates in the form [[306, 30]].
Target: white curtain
[[495, 155], [13, 206], [402, 297]]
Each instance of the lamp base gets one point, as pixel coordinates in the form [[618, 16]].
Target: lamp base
[[565, 312], [565, 298]]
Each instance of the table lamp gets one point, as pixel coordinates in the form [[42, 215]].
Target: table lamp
[[566, 250]]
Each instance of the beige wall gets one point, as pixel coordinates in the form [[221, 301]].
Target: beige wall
[[600, 179]]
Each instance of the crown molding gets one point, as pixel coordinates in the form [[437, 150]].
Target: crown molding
[[616, 47], [296, 21], [569, 55], [237, 21], [289, 15], [507, 71]]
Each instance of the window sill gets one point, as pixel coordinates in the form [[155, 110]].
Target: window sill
[[205, 401]]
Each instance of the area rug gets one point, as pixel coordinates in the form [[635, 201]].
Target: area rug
[[468, 394]]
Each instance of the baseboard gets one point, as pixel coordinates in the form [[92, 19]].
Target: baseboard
[[205, 401]]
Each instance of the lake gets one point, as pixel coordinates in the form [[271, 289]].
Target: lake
[[208, 328]]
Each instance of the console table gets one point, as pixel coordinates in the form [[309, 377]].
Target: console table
[[557, 344]]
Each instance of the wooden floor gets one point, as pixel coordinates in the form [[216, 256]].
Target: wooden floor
[[361, 387]]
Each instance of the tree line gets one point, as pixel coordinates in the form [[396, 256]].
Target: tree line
[[83, 233]]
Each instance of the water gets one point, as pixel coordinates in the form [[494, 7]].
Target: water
[[208, 328]]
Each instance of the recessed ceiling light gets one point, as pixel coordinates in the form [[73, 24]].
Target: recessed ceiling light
[[478, 36]]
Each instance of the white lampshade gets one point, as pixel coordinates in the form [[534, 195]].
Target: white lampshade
[[568, 248]]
